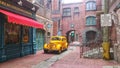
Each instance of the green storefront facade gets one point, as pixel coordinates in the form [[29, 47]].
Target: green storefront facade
[[40, 39], [17, 29]]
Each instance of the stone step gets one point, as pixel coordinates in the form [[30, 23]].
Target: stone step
[[95, 53]]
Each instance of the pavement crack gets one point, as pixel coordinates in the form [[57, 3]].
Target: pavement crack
[[50, 61], [47, 59]]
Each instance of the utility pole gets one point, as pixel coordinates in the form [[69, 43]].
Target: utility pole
[[105, 31]]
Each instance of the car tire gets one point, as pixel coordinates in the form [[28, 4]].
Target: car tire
[[59, 51], [45, 51]]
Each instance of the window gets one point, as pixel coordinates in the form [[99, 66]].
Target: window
[[26, 33], [91, 5], [56, 38], [91, 20], [40, 1], [76, 10], [90, 36], [66, 12], [12, 33], [48, 4]]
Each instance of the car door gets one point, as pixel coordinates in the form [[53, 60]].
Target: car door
[[63, 41]]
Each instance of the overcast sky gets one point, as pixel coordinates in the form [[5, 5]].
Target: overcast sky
[[71, 1]]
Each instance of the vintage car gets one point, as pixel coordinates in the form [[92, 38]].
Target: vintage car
[[56, 44]]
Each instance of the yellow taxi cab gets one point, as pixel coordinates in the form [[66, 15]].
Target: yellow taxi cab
[[57, 43]]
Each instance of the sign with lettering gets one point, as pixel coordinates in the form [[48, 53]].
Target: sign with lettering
[[19, 6], [106, 20]]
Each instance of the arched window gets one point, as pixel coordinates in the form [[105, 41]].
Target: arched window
[[90, 36], [91, 20], [91, 5]]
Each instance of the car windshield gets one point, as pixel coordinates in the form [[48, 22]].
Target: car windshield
[[56, 38]]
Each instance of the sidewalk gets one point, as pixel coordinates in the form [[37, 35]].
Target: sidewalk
[[26, 61], [73, 60]]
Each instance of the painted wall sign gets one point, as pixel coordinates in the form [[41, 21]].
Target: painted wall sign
[[22, 7]]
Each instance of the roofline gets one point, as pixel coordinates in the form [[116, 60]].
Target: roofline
[[72, 3]]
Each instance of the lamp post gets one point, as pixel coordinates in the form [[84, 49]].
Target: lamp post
[[47, 27], [105, 30], [72, 32]]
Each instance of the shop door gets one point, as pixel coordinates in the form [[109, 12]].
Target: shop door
[[39, 40]]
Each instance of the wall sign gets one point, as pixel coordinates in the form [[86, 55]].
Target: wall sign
[[106, 20], [22, 7]]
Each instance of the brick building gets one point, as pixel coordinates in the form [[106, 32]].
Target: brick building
[[56, 16], [79, 21], [43, 15], [114, 10], [17, 29]]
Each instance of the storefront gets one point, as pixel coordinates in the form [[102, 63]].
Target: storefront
[[17, 29]]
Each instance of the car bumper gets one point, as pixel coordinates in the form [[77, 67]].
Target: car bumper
[[51, 50]]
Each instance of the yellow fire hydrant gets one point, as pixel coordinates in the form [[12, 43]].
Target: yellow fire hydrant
[[106, 50]]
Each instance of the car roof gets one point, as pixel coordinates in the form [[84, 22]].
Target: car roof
[[59, 36]]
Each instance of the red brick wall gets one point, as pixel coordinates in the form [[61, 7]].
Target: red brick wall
[[55, 15], [55, 4], [79, 20], [55, 28]]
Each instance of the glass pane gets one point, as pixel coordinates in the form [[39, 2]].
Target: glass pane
[[12, 33], [88, 20], [87, 6], [91, 6], [25, 34]]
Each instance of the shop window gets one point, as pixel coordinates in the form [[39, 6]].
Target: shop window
[[12, 33], [25, 34]]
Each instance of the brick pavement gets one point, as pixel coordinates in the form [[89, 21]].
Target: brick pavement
[[73, 60], [26, 61]]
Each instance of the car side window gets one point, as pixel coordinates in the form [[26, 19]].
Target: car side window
[[55, 38], [62, 39]]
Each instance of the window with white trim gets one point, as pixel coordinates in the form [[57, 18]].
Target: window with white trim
[[66, 11], [91, 20], [91, 5]]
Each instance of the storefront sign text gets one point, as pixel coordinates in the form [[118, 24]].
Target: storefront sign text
[[15, 8]]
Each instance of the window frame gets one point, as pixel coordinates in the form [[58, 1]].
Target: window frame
[[90, 20], [13, 30], [23, 29], [66, 12], [76, 9], [91, 6]]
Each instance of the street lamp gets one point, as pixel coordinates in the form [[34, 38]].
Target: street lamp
[[71, 25]]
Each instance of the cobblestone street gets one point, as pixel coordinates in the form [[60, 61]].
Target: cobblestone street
[[26, 61], [73, 60], [67, 59]]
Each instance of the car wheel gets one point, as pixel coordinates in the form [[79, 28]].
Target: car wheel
[[45, 51], [59, 51]]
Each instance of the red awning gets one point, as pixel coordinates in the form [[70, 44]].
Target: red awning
[[18, 19]]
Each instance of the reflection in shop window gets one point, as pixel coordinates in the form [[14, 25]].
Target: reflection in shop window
[[25, 34], [12, 33]]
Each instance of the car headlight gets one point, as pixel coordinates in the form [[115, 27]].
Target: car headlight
[[45, 45]]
